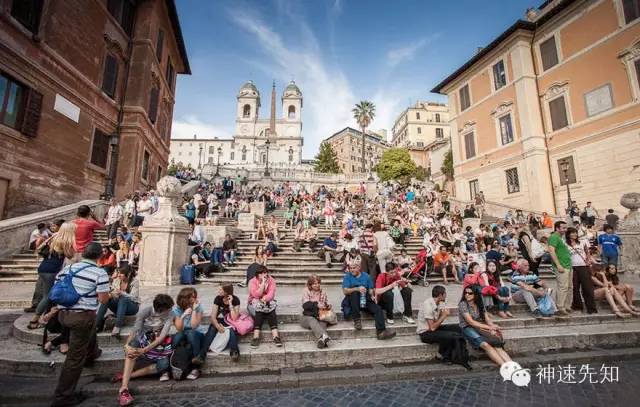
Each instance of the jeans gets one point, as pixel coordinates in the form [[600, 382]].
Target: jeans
[[194, 337], [606, 260], [371, 308], [210, 336], [217, 256], [230, 256], [503, 292], [121, 307], [83, 347], [112, 229], [386, 302], [369, 265], [462, 270], [46, 281]]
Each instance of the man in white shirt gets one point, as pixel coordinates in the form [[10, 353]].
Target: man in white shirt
[[431, 328], [145, 206], [129, 211], [113, 219], [38, 235]]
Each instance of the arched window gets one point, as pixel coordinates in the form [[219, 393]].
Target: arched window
[[244, 153], [292, 112], [290, 154], [210, 149], [246, 111]]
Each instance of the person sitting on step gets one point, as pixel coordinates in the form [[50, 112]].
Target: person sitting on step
[[527, 287], [148, 346], [261, 305], [358, 289], [124, 299], [386, 282], [330, 250], [452, 346], [187, 315], [225, 305], [316, 314]]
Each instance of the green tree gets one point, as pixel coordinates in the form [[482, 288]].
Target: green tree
[[364, 112], [447, 166], [396, 164], [422, 173], [327, 160], [172, 169]]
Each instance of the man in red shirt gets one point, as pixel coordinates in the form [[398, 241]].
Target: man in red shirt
[[86, 223], [385, 283], [443, 263]]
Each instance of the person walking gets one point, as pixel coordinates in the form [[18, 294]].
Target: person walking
[[92, 284], [561, 264]]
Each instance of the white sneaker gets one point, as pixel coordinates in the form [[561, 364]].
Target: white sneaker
[[164, 377], [390, 321], [194, 374], [408, 320]]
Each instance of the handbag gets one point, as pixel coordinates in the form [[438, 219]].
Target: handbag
[[221, 341], [265, 308], [398, 303], [243, 325], [496, 340], [163, 350], [546, 305], [328, 316]]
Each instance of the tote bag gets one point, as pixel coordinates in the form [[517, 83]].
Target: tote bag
[[221, 341], [398, 303]]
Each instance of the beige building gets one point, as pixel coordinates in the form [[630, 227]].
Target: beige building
[[552, 100], [347, 144], [420, 125]]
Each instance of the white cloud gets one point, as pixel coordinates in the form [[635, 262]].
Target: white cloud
[[406, 53], [328, 98], [191, 125]]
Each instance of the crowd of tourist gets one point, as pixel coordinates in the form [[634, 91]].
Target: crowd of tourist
[[365, 234]]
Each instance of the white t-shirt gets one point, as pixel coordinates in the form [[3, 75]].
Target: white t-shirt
[[428, 310], [144, 207]]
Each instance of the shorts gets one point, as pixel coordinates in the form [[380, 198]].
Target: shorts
[[161, 365]]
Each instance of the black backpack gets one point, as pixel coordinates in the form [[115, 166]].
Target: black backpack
[[180, 360]]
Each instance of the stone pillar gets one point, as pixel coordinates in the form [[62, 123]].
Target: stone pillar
[[164, 238], [246, 221], [257, 208], [218, 233], [629, 232]]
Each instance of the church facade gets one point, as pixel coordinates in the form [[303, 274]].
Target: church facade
[[256, 140]]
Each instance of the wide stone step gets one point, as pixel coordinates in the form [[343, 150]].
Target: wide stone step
[[25, 359]]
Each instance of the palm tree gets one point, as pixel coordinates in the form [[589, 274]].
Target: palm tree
[[364, 112]]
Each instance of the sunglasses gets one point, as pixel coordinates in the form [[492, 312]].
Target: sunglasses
[[468, 293]]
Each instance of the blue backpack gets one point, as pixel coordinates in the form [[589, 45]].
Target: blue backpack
[[64, 293]]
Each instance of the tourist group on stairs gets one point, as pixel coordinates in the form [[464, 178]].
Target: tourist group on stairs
[[498, 262]]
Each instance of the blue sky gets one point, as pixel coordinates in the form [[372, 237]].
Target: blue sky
[[339, 52]]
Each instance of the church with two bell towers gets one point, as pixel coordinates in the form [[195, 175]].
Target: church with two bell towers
[[255, 137]]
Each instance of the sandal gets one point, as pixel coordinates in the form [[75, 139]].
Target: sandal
[[116, 377], [47, 349]]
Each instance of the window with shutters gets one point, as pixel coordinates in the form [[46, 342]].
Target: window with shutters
[[159, 45], [549, 53], [499, 75], [170, 73], [27, 13], [232, 155], [419, 130], [100, 149], [123, 12], [513, 183], [465, 99], [439, 132], [506, 129], [469, 145], [474, 188], [153, 104], [12, 102], [417, 115], [145, 166], [110, 75], [631, 10], [570, 176], [558, 112], [437, 117]]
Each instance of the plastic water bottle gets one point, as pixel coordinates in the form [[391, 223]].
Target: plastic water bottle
[[363, 300]]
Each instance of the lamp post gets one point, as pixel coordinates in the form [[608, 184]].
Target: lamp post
[[218, 162], [266, 163], [199, 159], [564, 165]]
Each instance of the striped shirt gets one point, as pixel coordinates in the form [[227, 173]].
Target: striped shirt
[[90, 280]]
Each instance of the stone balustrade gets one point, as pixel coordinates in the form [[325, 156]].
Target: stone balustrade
[[14, 232]]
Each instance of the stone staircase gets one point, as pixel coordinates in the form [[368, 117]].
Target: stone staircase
[[349, 348], [287, 266]]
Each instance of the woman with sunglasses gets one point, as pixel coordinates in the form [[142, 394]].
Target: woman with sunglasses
[[478, 329]]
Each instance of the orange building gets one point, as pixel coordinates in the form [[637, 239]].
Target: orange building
[[553, 100]]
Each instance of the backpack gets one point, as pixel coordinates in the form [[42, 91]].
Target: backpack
[[64, 293], [180, 360]]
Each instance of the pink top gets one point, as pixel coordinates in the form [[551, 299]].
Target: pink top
[[256, 294], [315, 296]]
